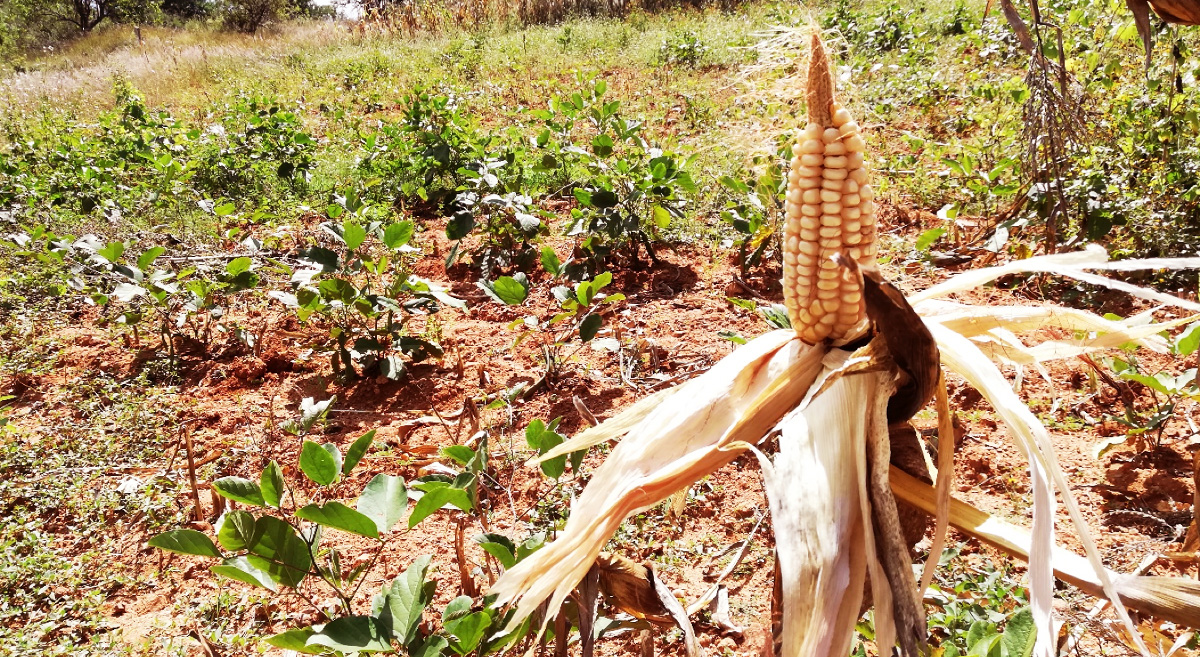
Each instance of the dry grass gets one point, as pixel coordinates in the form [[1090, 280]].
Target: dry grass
[[166, 62]]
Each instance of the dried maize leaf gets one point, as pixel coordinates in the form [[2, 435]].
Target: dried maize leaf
[[1170, 598], [680, 441]]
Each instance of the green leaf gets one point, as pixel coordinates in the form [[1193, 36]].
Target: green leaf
[[353, 235], [185, 541], [590, 326], [296, 640], [433, 646], [398, 234], [335, 453], [1188, 341], [544, 439], [271, 484], [240, 569], [1019, 634], [339, 516], [550, 261], [928, 237], [406, 599], [279, 551], [238, 266], [338, 289], [468, 628], [149, 256], [112, 252], [500, 547], [224, 209], [353, 634], [460, 453], [239, 489], [235, 530], [662, 218], [317, 463], [357, 451], [384, 501], [511, 290], [437, 498]]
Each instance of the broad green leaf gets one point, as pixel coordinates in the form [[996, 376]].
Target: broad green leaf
[[398, 234], [339, 516], [240, 569], [335, 453], [406, 600], [149, 256], [296, 640], [271, 484], [468, 628], [1188, 341], [550, 261], [928, 237], [433, 646], [185, 541], [510, 290], [235, 530], [589, 326], [353, 634], [1019, 634], [317, 463], [279, 551], [353, 235], [460, 453], [500, 547], [239, 489], [112, 252], [224, 209], [384, 501], [238, 266], [544, 439], [435, 499], [357, 451], [662, 218]]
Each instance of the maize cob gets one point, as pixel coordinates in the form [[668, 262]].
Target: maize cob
[[830, 209]]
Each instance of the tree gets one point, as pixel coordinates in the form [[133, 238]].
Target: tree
[[83, 14]]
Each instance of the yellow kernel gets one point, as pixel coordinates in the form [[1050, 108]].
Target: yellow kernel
[[830, 231], [808, 182], [810, 147], [854, 143], [829, 196], [841, 118], [834, 174], [813, 131], [810, 210], [813, 195], [851, 200], [811, 160], [851, 296], [848, 128], [831, 219], [867, 193], [809, 234], [808, 172], [832, 185], [855, 161], [830, 135], [836, 148], [835, 162], [858, 175]]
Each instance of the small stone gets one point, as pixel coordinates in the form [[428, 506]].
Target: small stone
[[726, 644]]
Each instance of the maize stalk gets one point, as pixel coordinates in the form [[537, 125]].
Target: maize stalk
[[824, 485], [830, 209]]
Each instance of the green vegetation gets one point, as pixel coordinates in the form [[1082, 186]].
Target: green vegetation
[[175, 186]]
